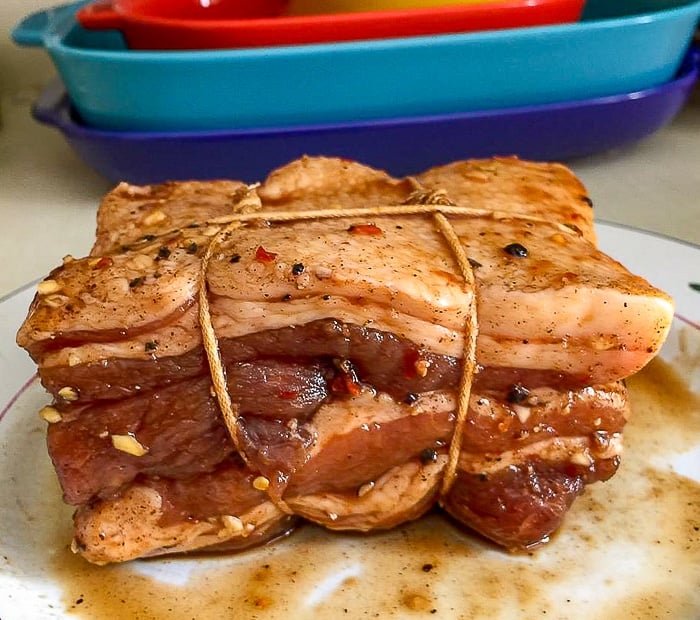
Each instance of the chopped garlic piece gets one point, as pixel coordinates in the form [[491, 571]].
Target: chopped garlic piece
[[129, 444], [224, 219], [421, 367], [364, 489], [322, 272], [523, 413], [558, 238], [232, 524], [140, 262], [48, 287], [55, 301], [154, 217], [581, 458], [68, 393], [261, 483], [134, 190], [50, 414]]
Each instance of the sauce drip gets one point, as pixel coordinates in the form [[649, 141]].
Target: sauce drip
[[629, 548]]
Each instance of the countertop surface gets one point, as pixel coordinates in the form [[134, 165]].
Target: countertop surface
[[48, 197]]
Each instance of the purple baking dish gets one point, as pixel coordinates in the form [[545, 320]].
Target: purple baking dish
[[401, 146]]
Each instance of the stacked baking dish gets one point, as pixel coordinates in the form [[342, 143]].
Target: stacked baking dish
[[402, 103]]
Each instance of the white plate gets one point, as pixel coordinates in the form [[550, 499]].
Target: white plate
[[629, 548]]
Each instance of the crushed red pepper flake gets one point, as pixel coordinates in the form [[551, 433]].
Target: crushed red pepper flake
[[104, 262], [352, 386], [263, 256], [365, 229], [410, 361], [346, 384]]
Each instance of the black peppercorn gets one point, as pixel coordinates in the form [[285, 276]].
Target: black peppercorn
[[428, 455], [516, 249], [518, 393], [410, 398]]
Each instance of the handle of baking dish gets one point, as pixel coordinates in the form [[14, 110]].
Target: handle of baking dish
[[49, 107], [694, 54], [33, 29], [99, 15], [691, 61]]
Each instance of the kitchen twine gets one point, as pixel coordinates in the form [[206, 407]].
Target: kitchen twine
[[420, 202]]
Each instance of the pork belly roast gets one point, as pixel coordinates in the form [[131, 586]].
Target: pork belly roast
[[339, 346]]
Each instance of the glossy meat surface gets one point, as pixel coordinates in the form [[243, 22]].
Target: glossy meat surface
[[343, 342], [564, 307]]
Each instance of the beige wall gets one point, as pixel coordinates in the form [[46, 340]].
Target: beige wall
[[21, 69]]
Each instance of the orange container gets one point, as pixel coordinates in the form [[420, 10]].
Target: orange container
[[220, 24]]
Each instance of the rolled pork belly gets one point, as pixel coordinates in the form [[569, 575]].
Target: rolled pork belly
[[370, 367]]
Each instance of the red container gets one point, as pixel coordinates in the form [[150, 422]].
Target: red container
[[216, 24]]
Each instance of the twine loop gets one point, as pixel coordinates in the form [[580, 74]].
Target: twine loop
[[435, 203]]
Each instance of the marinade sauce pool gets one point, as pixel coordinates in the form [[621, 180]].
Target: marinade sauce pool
[[629, 548]]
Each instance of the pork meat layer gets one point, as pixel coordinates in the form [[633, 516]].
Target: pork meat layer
[[343, 342]]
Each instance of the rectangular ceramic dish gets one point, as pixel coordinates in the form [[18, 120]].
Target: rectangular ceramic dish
[[184, 24], [401, 146], [620, 46]]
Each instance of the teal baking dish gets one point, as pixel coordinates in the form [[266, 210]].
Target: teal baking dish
[[620, 46]]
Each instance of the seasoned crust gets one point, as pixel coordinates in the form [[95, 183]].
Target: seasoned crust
[[129, 212], [547, 192], [130, 527]]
